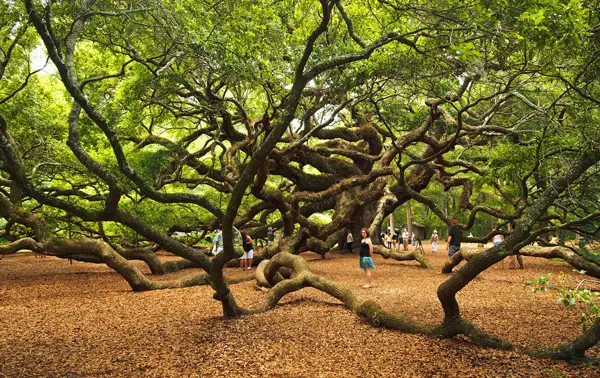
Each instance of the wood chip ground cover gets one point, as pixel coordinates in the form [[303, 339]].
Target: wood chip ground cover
[[58, 319]]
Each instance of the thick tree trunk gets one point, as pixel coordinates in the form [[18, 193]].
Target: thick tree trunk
[[519, 238], [383, 207]]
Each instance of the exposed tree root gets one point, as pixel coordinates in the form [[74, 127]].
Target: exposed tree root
[[477, 335], [416, 255], [269, 274], [574, 350]]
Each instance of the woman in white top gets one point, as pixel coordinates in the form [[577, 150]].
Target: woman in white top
[[388, 240], [497, 240]]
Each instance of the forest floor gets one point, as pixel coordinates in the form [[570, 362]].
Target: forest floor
[[58, 319]]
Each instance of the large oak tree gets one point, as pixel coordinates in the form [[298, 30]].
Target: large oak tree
[[153, 117]]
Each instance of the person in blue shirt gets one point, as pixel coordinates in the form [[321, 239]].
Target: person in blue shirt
[[217, 243]]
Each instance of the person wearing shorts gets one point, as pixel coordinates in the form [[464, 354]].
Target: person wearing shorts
[[366, 257], [498, 239], [249, 254], [246, 259]]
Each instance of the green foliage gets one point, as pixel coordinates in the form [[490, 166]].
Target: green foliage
[[178, 68], [554, 22], [150, 161], [585, 299]]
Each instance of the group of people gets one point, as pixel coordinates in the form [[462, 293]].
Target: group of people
[[393, 242], [455, 236], [453, 245], [247, 246]]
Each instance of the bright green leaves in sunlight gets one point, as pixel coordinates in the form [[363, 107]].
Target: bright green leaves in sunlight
[[554, 23], [466, 51]]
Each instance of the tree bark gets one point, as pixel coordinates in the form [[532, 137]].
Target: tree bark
[[416, 255]]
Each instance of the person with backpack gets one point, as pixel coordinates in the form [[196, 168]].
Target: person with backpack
[[454, 239]]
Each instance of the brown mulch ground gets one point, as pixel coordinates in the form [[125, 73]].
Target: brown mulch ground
[[58, 319]]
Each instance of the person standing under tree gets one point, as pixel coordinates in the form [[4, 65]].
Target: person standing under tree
[[249, 252], [366, 257], [246, 259], [405, 239], [497, 240], [217, 243], [270, 236], [434, 241], [454, 238], [388, 240], [349, 241]]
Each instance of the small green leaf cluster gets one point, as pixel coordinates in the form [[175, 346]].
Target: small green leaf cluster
[[586, 299]]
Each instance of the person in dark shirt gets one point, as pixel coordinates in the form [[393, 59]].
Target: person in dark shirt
[[454, 238], [244, 237], [270, 236], [246, 259], [366, 257]]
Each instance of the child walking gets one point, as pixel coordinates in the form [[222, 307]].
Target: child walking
[[366, 257]]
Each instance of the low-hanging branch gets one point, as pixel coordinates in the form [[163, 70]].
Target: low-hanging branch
[[415, 255], [557, 252]]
